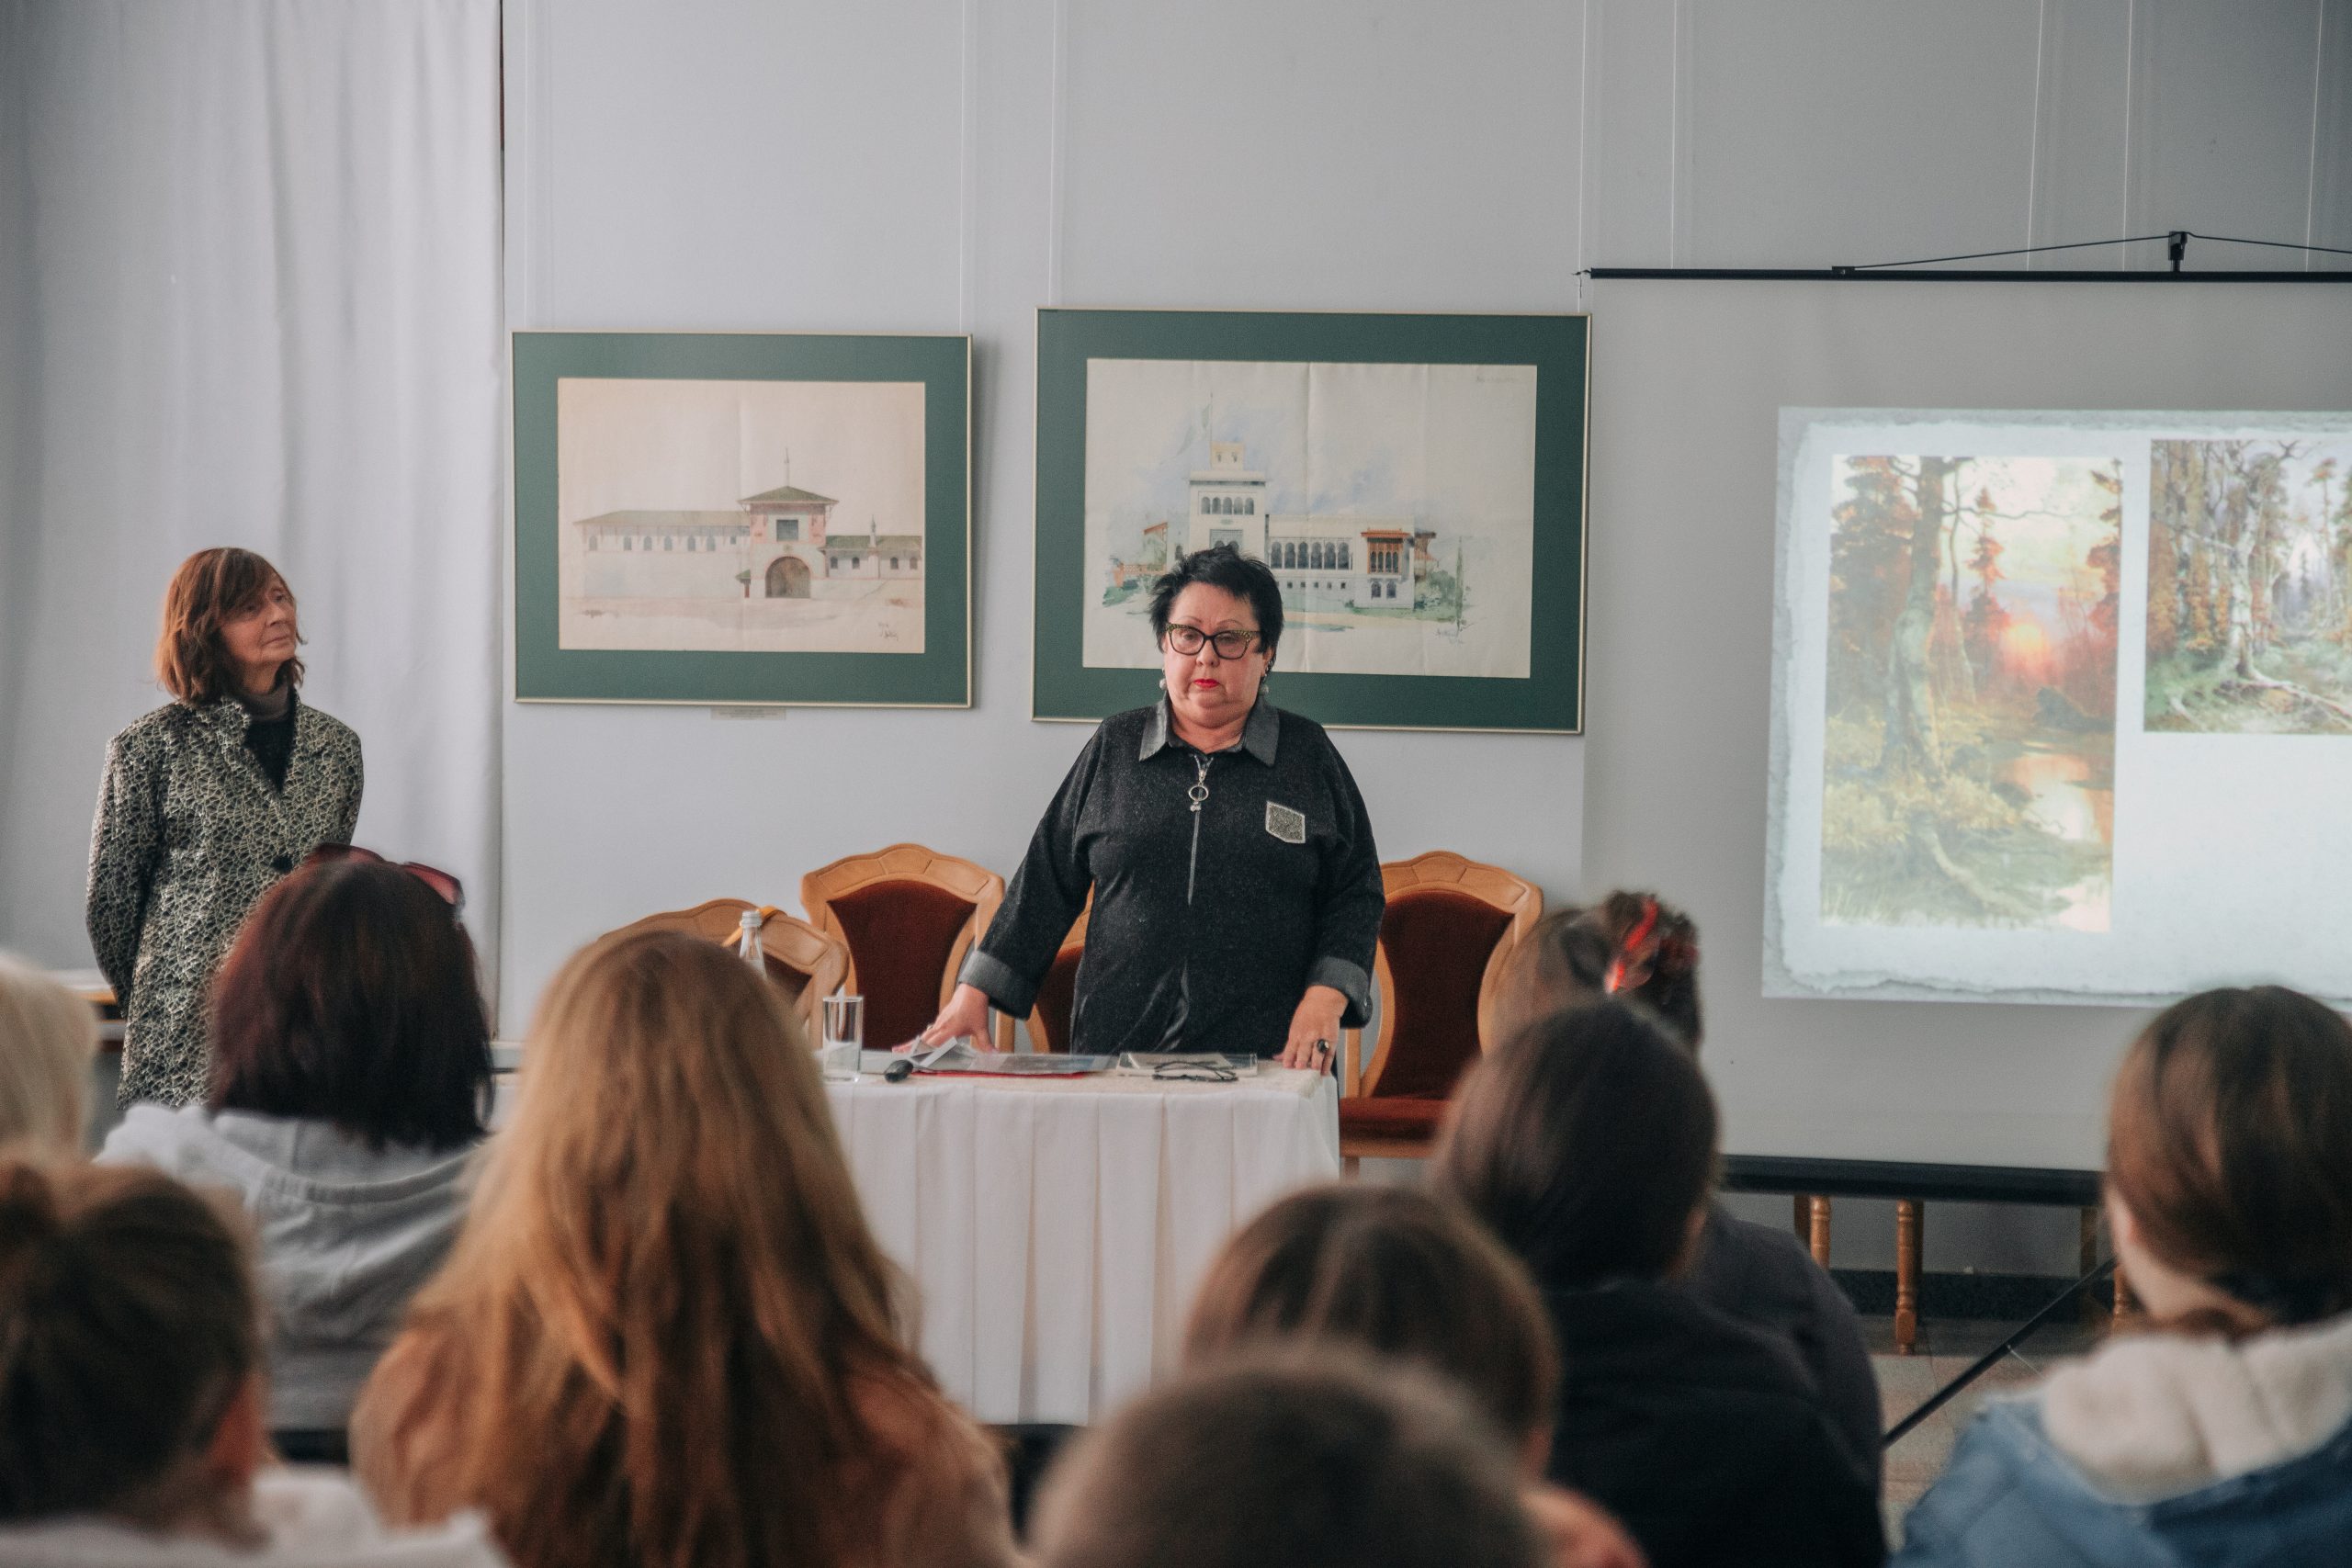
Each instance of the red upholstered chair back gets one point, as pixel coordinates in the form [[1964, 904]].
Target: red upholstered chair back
[[1049, 1016], [908, 914], [1438, 940], [1449, 927], [899, 935]]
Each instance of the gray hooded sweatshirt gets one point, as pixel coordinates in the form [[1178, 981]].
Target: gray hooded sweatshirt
[[347, 1235]]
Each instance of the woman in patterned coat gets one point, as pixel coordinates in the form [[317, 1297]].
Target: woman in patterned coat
[[206, 801]]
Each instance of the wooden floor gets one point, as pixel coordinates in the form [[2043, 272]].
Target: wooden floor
[[1945, 1349]]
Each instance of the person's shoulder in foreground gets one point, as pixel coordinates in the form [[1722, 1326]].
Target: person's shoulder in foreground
[[1763, 1275], [306, 1517], [2160, 1449]]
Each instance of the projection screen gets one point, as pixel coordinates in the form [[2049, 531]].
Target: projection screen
[[1975, 661]]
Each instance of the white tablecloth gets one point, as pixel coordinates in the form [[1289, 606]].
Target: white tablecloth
[[1056, 1228]]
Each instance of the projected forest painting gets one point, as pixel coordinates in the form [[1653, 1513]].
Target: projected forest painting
[[2250, 587], [1968, 770]]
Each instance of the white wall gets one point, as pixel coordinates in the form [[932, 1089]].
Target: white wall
[[950, 165]]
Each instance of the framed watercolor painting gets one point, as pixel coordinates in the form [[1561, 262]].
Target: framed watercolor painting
[[1417, 482], [743, 518]]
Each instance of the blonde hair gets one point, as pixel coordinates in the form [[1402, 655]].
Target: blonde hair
[[665, 1330], [47, 1037]]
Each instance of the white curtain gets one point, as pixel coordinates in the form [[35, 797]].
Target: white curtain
[[249, 295]]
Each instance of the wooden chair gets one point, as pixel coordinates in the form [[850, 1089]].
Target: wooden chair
[[1049, 1017], [908, 914], [802, 960], [1449, 927]]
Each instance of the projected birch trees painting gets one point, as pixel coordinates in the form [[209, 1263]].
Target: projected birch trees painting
[[1968, 763], [2250, 587]]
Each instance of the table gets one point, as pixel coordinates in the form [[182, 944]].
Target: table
[[1055, 1228]]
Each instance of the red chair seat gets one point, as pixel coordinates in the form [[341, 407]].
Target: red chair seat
[[1391, 1116]]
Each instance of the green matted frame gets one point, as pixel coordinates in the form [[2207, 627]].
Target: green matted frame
[[941, 676], [1549, 699]]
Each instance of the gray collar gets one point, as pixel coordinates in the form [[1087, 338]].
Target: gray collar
[[1260, 733]]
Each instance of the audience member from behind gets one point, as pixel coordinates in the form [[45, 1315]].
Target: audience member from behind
[[48, 1036], [1586, 1143], [1301, 1461], [2223, 1435], [131, 1392], [666, 1335], [1630, 945], [1392, 1271], [350, 1078]]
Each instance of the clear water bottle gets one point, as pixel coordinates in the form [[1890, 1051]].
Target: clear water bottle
[[747, 945]]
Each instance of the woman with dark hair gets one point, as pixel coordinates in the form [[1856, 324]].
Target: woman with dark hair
[[1586, 1143], [2223, 1434], [132, 1389], [351, 1076], [204, 803], [1236, 890], [1638, 948]]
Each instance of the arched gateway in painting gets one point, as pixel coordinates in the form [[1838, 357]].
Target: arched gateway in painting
[[787, 578]]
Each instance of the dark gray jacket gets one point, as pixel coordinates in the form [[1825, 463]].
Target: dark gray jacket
[[1764, 1277], [189, 835], [1208, 925]]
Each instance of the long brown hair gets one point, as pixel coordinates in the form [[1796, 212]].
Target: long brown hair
[[211, 586], [1587, 1143], [127, 1321], [1392, 1270], [2230, 1140], [660, 1333]]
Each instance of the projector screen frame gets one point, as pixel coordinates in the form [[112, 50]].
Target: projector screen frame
[[1928, 275], [1679, 703]]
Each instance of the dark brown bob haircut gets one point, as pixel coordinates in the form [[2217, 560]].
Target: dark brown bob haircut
[[2230, 1140], [127, 1321], [1311, 1460], [350, 996], [211, 586], [1223, 566], [1392, 1270], [1586, 1143]]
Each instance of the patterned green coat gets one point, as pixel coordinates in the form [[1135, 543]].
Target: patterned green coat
[[189, 836]]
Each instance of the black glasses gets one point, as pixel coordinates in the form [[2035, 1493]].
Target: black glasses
[[1187, 641], [451, 890]]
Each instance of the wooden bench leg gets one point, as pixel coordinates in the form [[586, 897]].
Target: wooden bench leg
[[1908, 1218]]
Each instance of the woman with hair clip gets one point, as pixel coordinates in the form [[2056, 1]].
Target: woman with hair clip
[[204, 803], [666, 1335], [131, 1394], [1634, 946], [2223, 1435]]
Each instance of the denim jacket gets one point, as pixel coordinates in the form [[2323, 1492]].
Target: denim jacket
[[2014, 1495]]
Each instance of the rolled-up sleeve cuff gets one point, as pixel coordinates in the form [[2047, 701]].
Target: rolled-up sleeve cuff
[[1348, 979], [1006, 988]]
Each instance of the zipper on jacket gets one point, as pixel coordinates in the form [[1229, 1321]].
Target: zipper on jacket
[[1197, 793]]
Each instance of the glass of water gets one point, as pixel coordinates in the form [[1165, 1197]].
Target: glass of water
[[845, 1036]]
